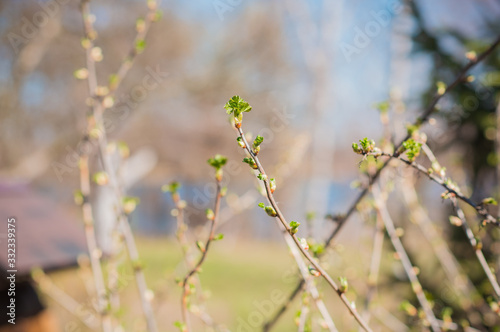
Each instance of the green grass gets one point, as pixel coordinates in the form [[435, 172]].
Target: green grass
[[243, 279], [240, 277]]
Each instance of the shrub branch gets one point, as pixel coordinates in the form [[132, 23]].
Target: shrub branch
[[383, 214], [476, 245], [431, 108], [281, 218], [213, 217], [451, 188], [97, 122]]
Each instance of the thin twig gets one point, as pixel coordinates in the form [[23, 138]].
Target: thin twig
[[142, 32], [310, 286], [290, 161], [196, 268], [98, 109], [431, 108], [457, 194], [94, 252], [125, 65], [189, 262], [477, 249], [383, 214], [303, 270], [445, 183], [450, 265], [472, 63], [281, 218], [378, 246]]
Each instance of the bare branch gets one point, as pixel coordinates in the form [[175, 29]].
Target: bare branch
[[452, 189], [383, 214], [204, 250], [96, 121], [477, 249]]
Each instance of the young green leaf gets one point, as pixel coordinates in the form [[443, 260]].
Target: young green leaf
[[411, 128], [217, 161], [412, 149], [250, 162], [356, 149], [140, 45], [181, 326], [172, 187], [383, 106], [256, 144], [310, 215], [366, 146], [237, 106], [294, 227], [408, 308], [317, 249], [489, 201], [218, 237]]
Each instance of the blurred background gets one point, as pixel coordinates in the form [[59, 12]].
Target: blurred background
[[313, 72]]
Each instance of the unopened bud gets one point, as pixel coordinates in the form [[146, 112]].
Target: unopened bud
[[304, 244], [272, 185], [344, 285], [210, 214], [270, 211], [314, 272], [241, 143]]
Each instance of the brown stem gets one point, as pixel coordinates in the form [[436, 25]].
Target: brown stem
[[431, 108], [196, 268], [128, 62], [420, 121], [477, 249], [465, 288], [480, 209], [188, 259], [281, 218]]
